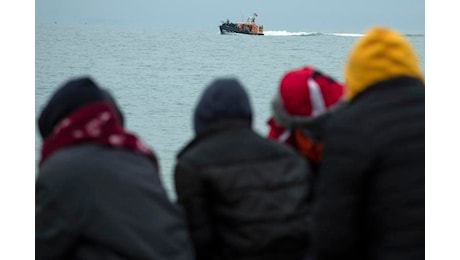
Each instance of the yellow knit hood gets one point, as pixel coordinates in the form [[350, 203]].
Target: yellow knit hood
[[380, 54]]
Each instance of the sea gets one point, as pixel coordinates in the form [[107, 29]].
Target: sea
[[158, 74]]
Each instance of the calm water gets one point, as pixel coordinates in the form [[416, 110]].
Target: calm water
[[157, 76]]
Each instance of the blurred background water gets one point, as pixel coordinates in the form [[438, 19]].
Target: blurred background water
[[157, 76]]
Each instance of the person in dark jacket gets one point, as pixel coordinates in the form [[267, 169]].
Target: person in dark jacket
[[370, 202], [245, 196], [305, 100], [98, 193]]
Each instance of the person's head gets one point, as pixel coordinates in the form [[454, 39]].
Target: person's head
[[223, 99], [305, 99], [72, 95], [305, 94], [380, 54]]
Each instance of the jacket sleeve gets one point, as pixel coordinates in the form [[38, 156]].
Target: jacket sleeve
[[347, 157], [54, 230], [191, 194]]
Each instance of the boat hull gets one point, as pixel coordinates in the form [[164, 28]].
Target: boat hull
[[229, 29]]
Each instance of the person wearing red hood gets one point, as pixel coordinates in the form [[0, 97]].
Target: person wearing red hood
[[306, 98], [370, 196]]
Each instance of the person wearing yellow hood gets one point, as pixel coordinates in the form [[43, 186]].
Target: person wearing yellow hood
[[370, 201]]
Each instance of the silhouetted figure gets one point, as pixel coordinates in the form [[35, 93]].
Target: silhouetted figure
[[370, 202], [245, 195], [98, 193]]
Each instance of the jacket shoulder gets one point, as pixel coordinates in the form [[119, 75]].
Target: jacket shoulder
[[239, 145], [92, 163]]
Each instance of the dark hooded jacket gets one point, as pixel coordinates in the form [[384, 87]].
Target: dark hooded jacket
[[94, 201], [370, 201], [245, 196]]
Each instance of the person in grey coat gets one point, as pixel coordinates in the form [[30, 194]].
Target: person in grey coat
[[98, 193], [245, 195]]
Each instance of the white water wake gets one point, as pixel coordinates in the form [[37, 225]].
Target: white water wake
[[286, 33]]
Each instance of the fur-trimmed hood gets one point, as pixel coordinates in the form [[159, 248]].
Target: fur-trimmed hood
[[283, 118]]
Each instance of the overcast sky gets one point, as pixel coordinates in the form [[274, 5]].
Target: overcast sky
[[348, 16]]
